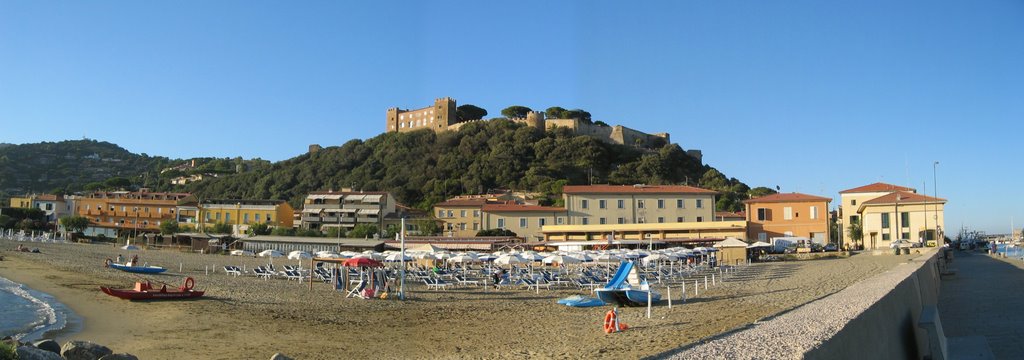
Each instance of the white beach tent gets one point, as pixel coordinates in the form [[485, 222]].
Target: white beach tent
[[299, 255], [271, 253]]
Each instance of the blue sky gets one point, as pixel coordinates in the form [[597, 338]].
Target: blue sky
[[812, 96]]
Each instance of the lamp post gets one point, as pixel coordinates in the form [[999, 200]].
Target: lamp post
[[935, 189]]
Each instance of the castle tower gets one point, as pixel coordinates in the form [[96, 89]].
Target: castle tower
[[436, 117], [535, 119]]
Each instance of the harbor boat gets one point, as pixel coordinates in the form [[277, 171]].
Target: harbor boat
[[627, 289], [146, 291]]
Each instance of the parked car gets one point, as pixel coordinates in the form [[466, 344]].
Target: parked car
[[901, 243], [831, 247]]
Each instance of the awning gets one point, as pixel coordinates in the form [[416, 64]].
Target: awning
[[347, 210], [372, 198], [324, 196], [311, 211], [355, 197], [369, 211]]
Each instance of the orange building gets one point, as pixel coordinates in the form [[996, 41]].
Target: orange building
[[792, 214], [141, 211]]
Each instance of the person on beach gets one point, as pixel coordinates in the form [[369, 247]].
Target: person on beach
[[119, 258]]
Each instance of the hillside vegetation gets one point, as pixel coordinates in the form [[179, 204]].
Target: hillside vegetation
[[422, 168]]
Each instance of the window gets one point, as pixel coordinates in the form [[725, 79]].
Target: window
[[762, 214], [462, 226], [640, 221], [207, 216], [227, 217], [123, 208], [762, 236], [700, 219], [854, 219], [639, 204], [522, 223], [622, 204], [246, 218], [853, 202], [622, 220], [218, 216], [440, 213], [680, 204], [661, 204], [476, 213], [451, 213], [269, 219], [583, 204], [814, 212], [501, 223], [540, 222], [257, 217], [906, 235], [905, 221], [787, 213], [661, 219], [680, 219], [885, 222], [462, 213], [602, 204], [476, 226], [700, 203], [49, 206], [886, 237], [585, 221], [602, 221]]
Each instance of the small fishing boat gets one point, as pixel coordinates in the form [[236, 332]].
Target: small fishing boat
[[132, 267], [145, 291]]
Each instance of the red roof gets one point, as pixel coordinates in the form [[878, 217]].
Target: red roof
[[348, 193], [634, 189], [877, 187], [904, 198], [504, 207], [790, 197], [463, 202]]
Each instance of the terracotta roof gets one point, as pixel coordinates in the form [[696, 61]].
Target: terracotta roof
[[905, 198], [877, 187], [789, 197], [634, 189], [505, 207], [47, 197], [463, 202]]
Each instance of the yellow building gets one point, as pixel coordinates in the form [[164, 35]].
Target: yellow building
[[242, 213], [638, 204], [22, 202], [850, 201], [526, 221], [901, 215], [655, 231]]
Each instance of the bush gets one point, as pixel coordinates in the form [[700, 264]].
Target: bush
[[8, 352]]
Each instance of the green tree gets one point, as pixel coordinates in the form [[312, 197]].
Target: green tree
[[428, 227], [259, 229], [468, 112], [855, 231], [496, 232], [515, 112], [334, 232], [74, 224], [601, 123], [280, 231], [362, 231], [117, 183], [554, 112], [760, 191], [169, 227], [221, 228], [577, 114]]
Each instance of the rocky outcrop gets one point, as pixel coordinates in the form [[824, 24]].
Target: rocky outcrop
[[27, 352], [48, 345], [84, 350]]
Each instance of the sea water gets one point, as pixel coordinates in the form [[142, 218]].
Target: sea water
[[28, 315]]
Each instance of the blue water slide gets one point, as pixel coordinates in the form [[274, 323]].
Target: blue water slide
[[620, 276]]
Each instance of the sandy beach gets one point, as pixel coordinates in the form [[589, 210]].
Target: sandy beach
[[245, 317]]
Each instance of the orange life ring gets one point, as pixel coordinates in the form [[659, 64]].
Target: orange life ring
[[107, 262], [189, 283], [609, 323]]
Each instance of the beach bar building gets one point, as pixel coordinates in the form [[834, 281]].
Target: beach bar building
[[286, 244], [647, 231], [731, 251]]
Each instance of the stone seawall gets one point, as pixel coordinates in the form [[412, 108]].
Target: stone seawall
[[872, 319]]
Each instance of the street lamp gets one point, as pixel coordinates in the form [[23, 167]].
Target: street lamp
[[935, 189]]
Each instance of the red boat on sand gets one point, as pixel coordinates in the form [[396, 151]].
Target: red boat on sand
[[145, 291]]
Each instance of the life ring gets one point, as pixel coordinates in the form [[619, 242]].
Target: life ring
[[189, 283], [609, 323], [107, 262]]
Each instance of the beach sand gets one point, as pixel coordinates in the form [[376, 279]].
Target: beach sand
[[245, 317]]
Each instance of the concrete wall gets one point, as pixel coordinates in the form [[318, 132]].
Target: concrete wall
[[872, 319]]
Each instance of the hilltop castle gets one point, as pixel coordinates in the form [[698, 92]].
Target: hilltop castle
[[442, 117]]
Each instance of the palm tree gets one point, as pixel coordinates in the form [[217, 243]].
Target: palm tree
[[855, 231]]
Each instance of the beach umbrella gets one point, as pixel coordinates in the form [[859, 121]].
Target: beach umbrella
[[299, 255], [608, 258], [509, 260], [531, 256], [362, 262], [463, 259], [271, 253], [442, 256], [561, 259], [486, 258], [396, 258], [374, 256], [241, 253]]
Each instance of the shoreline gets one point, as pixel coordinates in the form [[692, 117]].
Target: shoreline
[[61, 311], [245, 317]]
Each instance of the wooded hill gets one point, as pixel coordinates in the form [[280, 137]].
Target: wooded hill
[[423, 168]]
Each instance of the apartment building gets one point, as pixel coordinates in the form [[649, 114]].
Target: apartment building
[[792, 214], [851, 199], [527, 221], [637, 204], [901, 215], [346, 209], [237, 213], [141, 211]]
